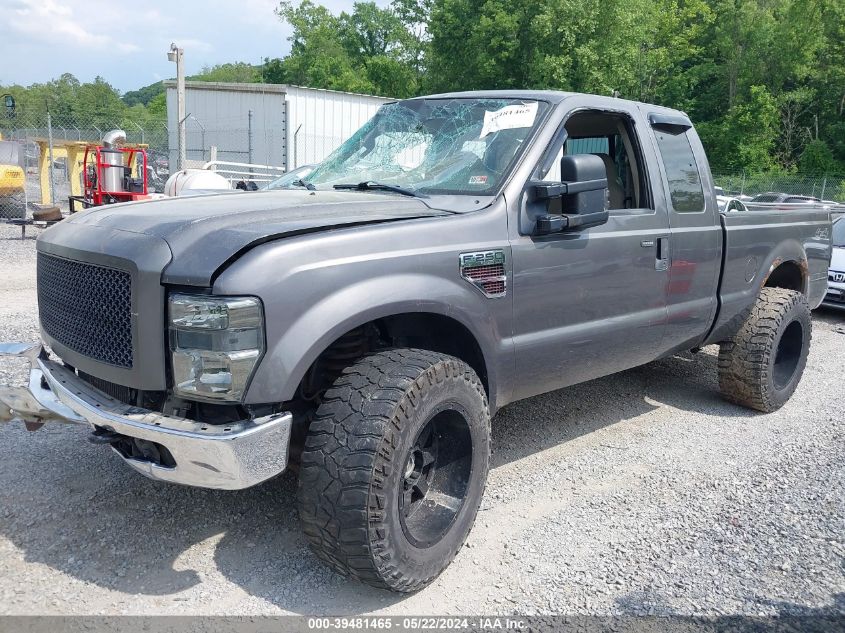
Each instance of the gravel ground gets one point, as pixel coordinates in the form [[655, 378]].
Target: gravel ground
[[639, 493]]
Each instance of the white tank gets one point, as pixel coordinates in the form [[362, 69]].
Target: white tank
[[194, 180]]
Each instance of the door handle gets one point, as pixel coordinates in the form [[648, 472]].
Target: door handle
[[661, 260]]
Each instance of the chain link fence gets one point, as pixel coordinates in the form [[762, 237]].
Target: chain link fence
[[44, 143], [47, 143], [235, 144], [827, 187]]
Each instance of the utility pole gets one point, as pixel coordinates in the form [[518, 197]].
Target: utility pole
[[176, 54]]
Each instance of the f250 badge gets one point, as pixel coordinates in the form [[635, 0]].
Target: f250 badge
[[486, 271]]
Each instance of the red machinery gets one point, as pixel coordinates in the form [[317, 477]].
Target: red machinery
[[108, 176], [107, 173]]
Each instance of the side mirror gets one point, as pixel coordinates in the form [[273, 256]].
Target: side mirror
[[579, 201]]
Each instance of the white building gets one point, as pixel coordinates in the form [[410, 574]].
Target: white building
[[269, 124]]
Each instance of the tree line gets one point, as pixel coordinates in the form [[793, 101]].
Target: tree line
[[764, 80]]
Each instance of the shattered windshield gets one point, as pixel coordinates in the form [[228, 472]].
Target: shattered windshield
[[434, 146]]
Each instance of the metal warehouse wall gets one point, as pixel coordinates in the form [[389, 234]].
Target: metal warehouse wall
[[218, 114], [325, 119], [291, 125]]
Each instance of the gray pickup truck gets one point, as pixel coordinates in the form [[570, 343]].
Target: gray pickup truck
[[458, 253]]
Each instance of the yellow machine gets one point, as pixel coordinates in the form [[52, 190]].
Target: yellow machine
[[12, 180]]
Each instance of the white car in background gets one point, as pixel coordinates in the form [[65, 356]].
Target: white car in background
[[292, 179], [728, 204]]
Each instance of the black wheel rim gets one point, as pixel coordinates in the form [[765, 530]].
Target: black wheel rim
[[435, 478], [788, 354]]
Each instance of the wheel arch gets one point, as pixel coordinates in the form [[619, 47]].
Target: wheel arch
[[784, 266], [789, 274], [459, 326]]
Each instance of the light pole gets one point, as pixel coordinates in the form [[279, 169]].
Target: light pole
[[176, 54]]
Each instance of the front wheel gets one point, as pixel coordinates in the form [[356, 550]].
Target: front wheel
[[394, 467], [761, 366]]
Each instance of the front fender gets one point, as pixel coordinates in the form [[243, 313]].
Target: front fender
[[291, 352], [316, 288]]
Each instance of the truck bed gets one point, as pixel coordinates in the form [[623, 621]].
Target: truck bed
[[757, 242]]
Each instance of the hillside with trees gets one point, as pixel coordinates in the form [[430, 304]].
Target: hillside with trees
[[764, 80]]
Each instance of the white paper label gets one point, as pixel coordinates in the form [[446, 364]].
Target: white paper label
[[509, 117]]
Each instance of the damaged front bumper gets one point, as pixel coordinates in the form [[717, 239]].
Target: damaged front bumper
[[230, 456]]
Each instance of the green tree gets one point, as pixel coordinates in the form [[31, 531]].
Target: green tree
[[672, 48], [479, 45], [744, 140], [377, 41], [157, 107], [793, 107], [318, 56], [237, 72], [369, 50], [98, 103], [631, 47], [414, 16], [829, 77], [817, 159], [273, 71], [143, 95]]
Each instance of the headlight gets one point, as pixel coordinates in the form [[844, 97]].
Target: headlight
[[215, 343]]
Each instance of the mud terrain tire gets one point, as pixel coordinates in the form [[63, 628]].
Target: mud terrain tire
[[394, 467], [761, 366]]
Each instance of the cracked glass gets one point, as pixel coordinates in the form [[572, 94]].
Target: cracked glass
[[435, 146]]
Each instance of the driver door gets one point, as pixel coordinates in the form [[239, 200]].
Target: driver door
[[592, 302]]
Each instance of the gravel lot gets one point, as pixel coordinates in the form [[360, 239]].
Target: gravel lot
[[638, 493]]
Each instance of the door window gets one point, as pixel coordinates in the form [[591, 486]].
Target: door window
[[610, 137]]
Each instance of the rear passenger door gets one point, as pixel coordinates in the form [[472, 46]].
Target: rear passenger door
[[695, 230]]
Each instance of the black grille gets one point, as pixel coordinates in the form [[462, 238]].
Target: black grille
[[118, 392], [86, 308]]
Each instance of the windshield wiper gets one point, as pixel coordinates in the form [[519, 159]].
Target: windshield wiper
[[369, 185], [301, 183]]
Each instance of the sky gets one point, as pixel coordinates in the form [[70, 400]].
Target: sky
[[126, 43]]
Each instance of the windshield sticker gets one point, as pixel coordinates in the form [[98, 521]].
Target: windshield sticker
[[509, 117], [478, 180]]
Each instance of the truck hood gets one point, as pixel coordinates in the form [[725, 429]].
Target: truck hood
[[206, 232]]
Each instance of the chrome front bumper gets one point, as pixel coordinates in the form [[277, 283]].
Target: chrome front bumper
[[228, 457]]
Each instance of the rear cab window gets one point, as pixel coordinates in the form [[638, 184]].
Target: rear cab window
[[682, 174]]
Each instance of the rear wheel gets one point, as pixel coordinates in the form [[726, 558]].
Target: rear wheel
[[394, 467], [761, 366]]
